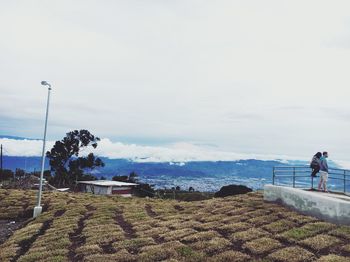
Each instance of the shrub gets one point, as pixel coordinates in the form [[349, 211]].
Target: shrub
[[232, 190]]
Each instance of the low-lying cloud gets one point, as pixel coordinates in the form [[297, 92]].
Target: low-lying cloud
[[178, 152]]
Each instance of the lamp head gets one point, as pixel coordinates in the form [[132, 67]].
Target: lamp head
[[44, 83]]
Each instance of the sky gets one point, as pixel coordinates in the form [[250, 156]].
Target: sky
[[237, 77]]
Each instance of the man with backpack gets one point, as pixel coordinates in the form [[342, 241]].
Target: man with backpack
[[323, 172]]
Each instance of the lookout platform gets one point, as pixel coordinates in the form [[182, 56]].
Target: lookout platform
[[331, 207]]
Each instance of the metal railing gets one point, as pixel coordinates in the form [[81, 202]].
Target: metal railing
[[300, 176]]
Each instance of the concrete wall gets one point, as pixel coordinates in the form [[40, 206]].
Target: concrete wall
[[320, 205], [107, 190], [97, 190]]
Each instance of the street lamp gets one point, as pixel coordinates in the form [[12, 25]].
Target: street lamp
[[38, 208]]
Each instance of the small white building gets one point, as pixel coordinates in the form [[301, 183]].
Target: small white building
[[106, 187]]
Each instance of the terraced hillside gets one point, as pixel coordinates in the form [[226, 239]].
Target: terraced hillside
[[82, 227]]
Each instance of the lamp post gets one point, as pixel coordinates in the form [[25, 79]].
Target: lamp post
[[38, 207]]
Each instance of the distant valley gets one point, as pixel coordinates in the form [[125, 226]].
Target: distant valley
[[202, 175]]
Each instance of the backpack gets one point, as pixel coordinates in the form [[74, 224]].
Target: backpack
[[314, 163]]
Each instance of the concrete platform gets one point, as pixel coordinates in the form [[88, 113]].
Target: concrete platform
[[330, 207]]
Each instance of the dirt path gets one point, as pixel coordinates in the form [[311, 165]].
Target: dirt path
[[129, 232], [76, 238], [150, 212]]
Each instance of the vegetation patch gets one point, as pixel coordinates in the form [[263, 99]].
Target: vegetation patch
[[212, 218], [300, 219], [333, 258], [250, 234], [208, 226], [187, 224], [121, 256], [259, 213], [188, 254], [343, 231], [154, 232], [321, 242], [279, 226], [159, 252], [346, 248], [308, 230], [178, 234], [230, 256], [240, 211], [235, 227], [88, 249], [201, 236], [261, 220], [292, 254], [212, 246], [262, 245]]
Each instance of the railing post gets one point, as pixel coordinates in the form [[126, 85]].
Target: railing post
[[344, 181], [273, 176], [293, 177]]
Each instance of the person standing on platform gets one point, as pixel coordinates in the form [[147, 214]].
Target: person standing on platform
[[323, 172]]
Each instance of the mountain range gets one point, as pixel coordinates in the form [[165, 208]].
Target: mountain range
[[202, 175]]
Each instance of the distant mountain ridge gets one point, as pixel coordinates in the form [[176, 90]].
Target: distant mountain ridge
[[203, 175], [124, 166]]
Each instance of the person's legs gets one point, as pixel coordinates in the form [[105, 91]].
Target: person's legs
[[315, 170], [325, 178], [313, 173], [320, 183]]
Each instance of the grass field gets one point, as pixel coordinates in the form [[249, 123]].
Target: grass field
[[82, 227]]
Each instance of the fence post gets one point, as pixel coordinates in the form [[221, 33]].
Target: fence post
[[293, 177], [344, 181], [273, 176]]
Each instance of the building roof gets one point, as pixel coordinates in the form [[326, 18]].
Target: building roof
[[63, 189], [106, 183]]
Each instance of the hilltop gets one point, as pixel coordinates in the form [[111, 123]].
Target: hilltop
[[82, 227]]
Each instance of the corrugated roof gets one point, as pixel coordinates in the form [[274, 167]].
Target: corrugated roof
[[107, 183]]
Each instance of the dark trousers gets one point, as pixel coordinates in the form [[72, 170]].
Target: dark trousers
[[315, 170]]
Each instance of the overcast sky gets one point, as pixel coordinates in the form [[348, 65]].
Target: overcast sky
[[253, 77]]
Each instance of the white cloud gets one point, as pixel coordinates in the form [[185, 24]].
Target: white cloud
[[176, 153], [13, 147]]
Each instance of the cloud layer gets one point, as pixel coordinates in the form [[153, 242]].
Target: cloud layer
[[179, 152]]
